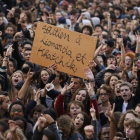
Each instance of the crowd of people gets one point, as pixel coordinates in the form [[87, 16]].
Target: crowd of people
[[39, 102]]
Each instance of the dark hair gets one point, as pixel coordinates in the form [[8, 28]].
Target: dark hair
[[129, 8], [89, 28], [27, 49], [132, 78], [14, 61], [49, 134], [8, 37], [18, 103], [12, 26], [29, 17], [73, 12], [27, 42], [98, 25], [80, 79], [4, 125], [5, 93], [31, 65], [22, 119], [116, 30], [37, 108], [62, 76], [106, 125], [85, 123], [50, 111]]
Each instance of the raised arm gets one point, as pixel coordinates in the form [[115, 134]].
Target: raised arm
[[27, 82], [137, 51]]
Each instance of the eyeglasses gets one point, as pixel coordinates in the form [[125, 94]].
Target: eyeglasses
[[18, 110], [103, 94]]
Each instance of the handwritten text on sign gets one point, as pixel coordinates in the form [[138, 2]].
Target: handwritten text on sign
[[71, 51]]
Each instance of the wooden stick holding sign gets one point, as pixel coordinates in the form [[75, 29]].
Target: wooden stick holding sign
[[71, 51]]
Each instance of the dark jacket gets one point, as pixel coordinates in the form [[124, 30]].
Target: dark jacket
[[39, 134], [134, 100]]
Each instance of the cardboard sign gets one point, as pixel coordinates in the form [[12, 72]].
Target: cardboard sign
[[71, 51]]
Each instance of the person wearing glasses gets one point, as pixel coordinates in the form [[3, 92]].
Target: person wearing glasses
[[104, 96]]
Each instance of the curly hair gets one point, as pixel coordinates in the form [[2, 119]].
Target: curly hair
[[135, 124], [121, 122]]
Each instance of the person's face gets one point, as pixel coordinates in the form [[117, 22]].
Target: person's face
[[119, 26], [106, 75], [81, 96], [57, 79], [27, 46], [123, 31], [20, 123], [36, 115], [74, 110], [104, 96], [69, 8], [27, 55], [86, 31], [25, 17], [134, 83], [118, 59], [11, 67], [113, 81], [128, 24], [1, 20], [10, 31], [18, 1], [76, 85], [98, 30], [6, 103], [58, 15], [137, 110], [79, 120], [111, 61], [117, 12], [130, 12], [105, 133], [125, 92], [136, 12], [100, 59], [8, 41], [117, 89], [104, 3], [9, 16], [128, 62], [130, 133], [90, 10], [73, 18], [108, 49], [16, 110], [41, 5], [44, 76], [135, 67], [129, 116], [16, 78]]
